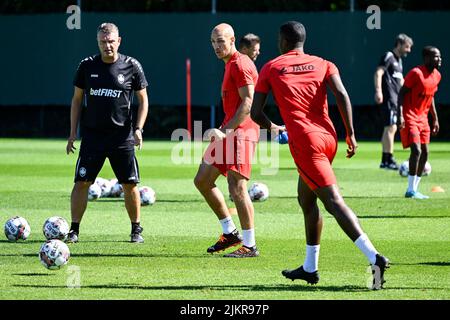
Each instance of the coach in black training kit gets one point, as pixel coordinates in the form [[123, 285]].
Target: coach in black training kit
[[108, 81], [388, 80]]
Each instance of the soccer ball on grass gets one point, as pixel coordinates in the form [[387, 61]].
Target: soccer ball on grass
[[55, 228], [54, 254], [105, 186], [404, 169], [116, 188], [94, 192], [17, 228], [427, 169], [258, 192], [148, 195]]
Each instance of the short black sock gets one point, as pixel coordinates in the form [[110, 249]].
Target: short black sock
[[384, 158], [134, 226], [74, 226]]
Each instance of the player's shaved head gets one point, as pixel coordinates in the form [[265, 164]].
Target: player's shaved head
[[223, 29], [223, 41]]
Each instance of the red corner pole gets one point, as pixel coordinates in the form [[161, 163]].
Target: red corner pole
[[188, 96]]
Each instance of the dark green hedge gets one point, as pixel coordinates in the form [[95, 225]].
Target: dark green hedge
[[47, 6]]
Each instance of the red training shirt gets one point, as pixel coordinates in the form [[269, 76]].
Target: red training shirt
[[298, 84], [239, 71], [417, 102]]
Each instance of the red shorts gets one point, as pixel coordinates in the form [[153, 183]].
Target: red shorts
[[415, 133], [231, 154], [313, 154]]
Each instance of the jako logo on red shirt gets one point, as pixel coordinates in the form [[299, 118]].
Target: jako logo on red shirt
[[105, 93], [303, 68], [297, 68]]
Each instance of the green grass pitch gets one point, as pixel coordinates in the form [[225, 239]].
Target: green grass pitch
[[36, 178]]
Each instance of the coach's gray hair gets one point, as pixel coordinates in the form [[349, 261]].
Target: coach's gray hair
[[402, 39], [107, 27]]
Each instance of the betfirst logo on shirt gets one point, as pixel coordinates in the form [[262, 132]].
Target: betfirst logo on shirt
[[102, 92]]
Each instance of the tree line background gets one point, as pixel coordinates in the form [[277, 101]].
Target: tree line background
[[49, 6]]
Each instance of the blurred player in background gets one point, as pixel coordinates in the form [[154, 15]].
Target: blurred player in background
[[415, 100], [298, 82], [107, 81], [232, 146], [250, 44], [388, 79]]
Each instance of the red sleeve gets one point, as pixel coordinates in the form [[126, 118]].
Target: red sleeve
[[411, 78], [331, 69], [263, 84], [244, 72]]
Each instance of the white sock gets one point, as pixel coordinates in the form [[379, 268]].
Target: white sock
[[363, 243], [416, 183], [249, 237], [227, 225], [311, 263], [411, 180]]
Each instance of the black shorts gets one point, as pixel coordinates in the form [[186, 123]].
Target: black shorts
[[389, 113], [118, 147]]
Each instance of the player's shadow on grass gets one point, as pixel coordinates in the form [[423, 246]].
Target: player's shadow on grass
[[284, 197], [179, 201], [20, 242], [250, 288], [159, 200], [440, 151], [137, 255], [402, 216], [33, 274], [107, 200], [43, 240], [119, 255], [287, 168], [246, 288], [345, 197], [436, 264], [431, 263], [374, 197]]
